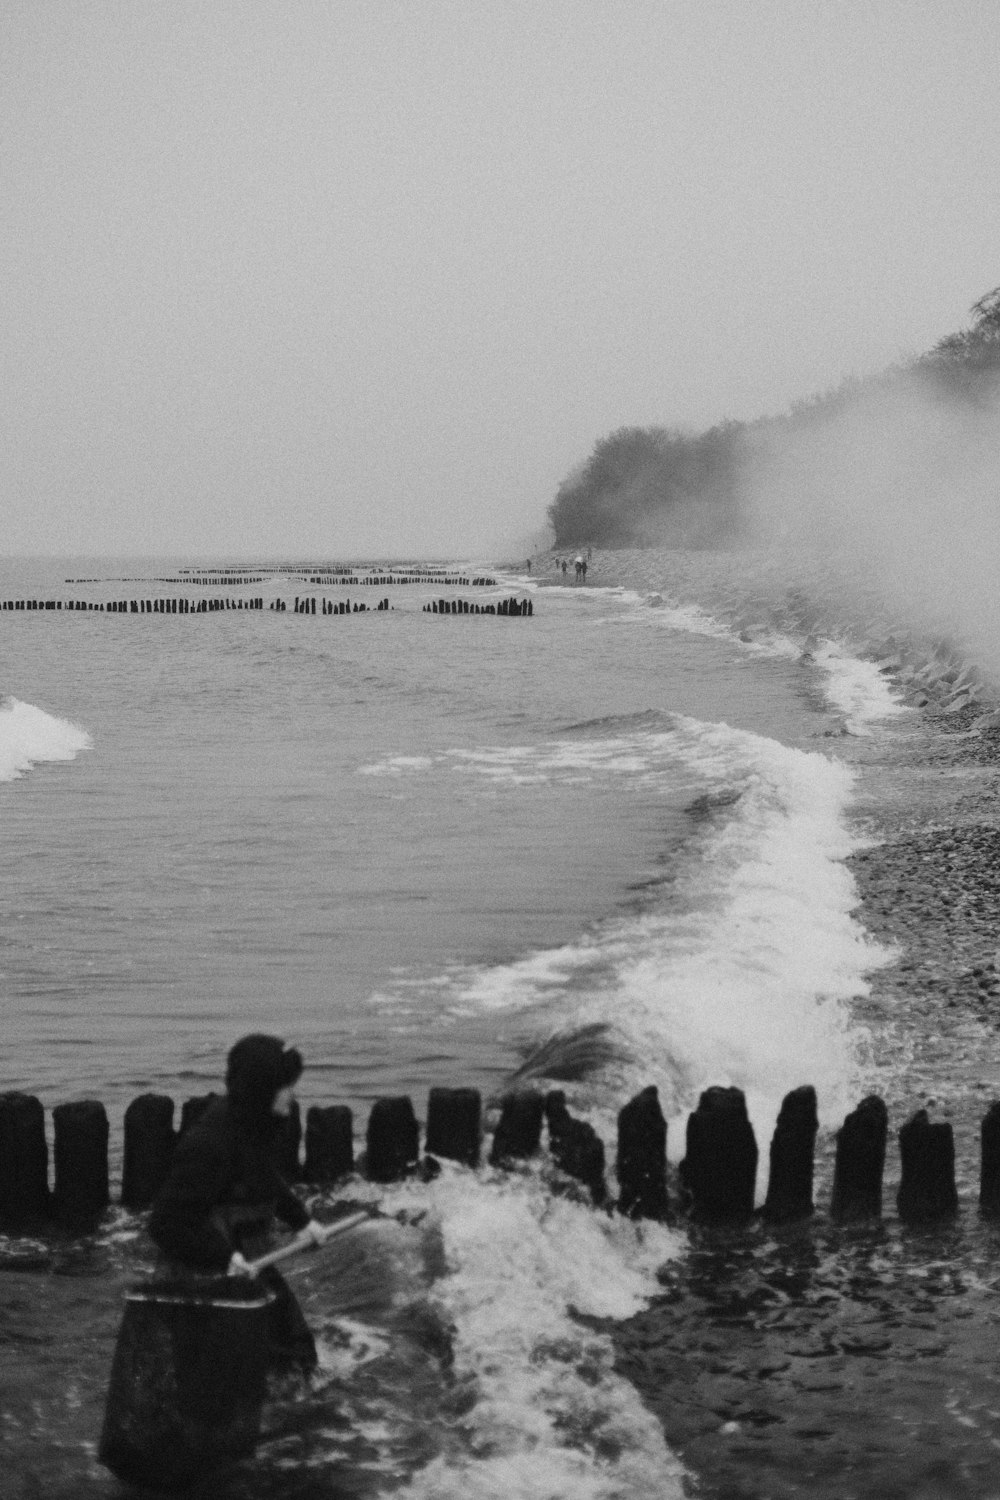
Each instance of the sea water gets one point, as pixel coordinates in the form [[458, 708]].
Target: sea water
[[412, 845], [436, 849]]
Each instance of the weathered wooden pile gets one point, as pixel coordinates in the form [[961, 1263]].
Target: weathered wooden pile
[[715, 1183]]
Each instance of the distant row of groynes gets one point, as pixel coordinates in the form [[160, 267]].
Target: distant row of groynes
[[157, 606], [439, 580], [510, 607], [300, 606], [328, 607], [231, 578], [716, 1181], [225, 580]]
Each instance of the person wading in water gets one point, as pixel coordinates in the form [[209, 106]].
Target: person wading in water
[[216, 1208]]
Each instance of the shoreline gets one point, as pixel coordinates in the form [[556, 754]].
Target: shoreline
[[795, 595], [797, 1359], [928, 800]]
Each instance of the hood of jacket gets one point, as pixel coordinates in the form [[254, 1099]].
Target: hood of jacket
[[258, 1068]]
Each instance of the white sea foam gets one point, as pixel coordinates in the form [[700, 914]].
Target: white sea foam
[[854, 687], [857, 688], [668, 614], [741, 975], [29, 736], [550, 1417], [397, 765], [647, 756]]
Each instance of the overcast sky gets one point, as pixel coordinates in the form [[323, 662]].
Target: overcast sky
[[347, 277]]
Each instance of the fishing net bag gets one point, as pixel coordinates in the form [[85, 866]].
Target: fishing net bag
[[188, 1380]]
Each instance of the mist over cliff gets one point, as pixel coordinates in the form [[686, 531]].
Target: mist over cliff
[[893, 480], [915, 441]]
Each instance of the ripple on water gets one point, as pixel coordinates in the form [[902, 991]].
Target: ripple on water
[[840, 1363]]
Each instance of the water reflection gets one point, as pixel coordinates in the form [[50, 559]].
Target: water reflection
[[839, 1362]]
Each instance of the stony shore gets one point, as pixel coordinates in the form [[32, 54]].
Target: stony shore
[[928, 797]]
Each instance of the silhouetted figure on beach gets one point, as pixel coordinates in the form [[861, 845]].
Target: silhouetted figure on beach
[[216, 1210], [564, 566]]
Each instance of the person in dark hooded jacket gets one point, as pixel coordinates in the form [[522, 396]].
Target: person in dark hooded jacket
[[217, 1207]]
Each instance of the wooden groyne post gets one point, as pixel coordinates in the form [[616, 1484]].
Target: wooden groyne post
[[717, 1175], [790, 1182], [149, 1139], [860, 1162], [519, 1132], [80, 1153], [641, 1160], [719, 1171], [329, 1143], [576, 1147], [393, 1140], [455, 1125], [24, 1160], [927, 1187]]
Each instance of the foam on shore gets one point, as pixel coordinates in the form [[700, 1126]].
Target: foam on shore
[[761, 594], [548, 1413]]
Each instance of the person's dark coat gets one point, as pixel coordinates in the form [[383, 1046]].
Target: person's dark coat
[[222, 1193], [224, 1190]]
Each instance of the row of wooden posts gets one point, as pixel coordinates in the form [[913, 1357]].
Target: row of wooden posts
[[716, 1179], [440, 580], [159, 606], [301, 606], [327, 606], [233, 578], [510, 606], [230, 580]]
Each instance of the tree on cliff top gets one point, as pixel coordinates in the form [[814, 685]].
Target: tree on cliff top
[[650, 485], [968, 362], [987, 311], [647, 486]]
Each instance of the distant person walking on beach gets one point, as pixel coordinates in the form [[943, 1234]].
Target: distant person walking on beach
[[579, 565], [564, 567]]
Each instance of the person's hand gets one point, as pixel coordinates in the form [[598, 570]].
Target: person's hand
[[238, 1265], [316, 1231]]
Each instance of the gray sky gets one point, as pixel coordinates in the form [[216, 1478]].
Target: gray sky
[[360, 276]]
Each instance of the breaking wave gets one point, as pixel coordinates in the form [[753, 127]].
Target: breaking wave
[[29, 736]]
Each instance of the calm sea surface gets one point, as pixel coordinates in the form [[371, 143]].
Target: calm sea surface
[[420, 848]]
